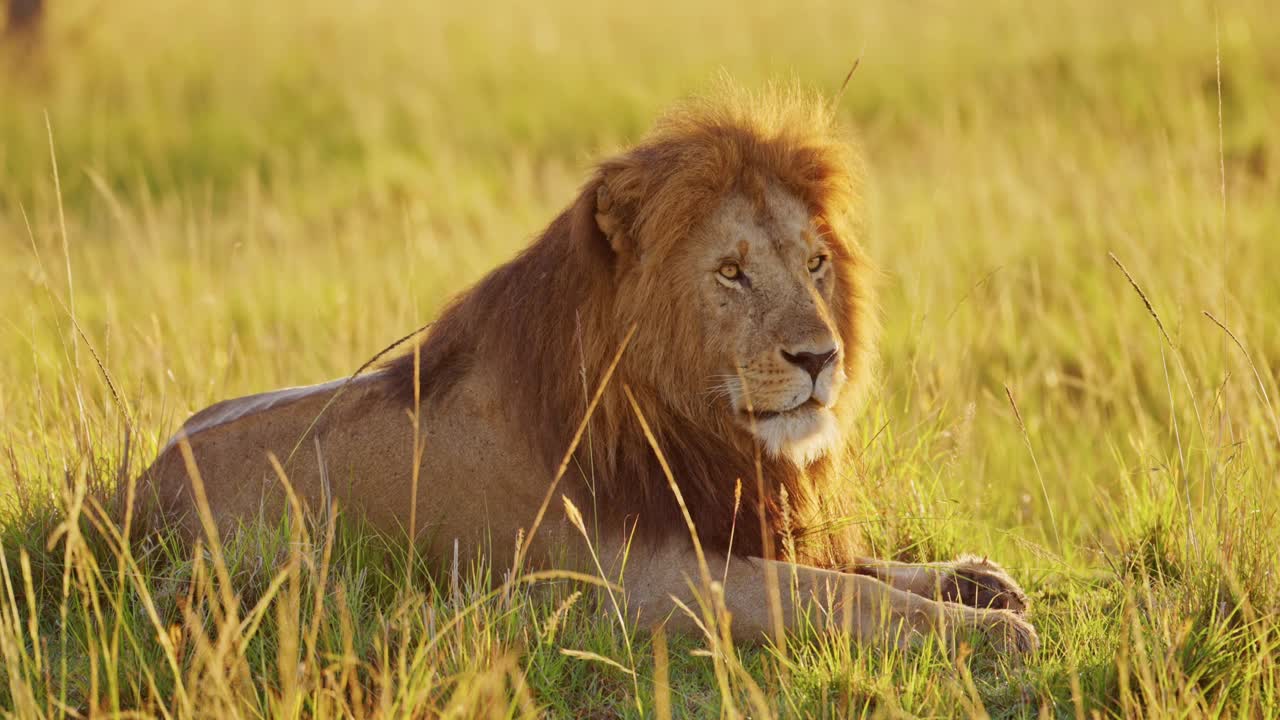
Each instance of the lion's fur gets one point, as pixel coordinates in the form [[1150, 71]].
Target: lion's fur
[[550, 321]]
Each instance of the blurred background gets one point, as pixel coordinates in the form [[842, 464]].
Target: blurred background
[[250, 195]]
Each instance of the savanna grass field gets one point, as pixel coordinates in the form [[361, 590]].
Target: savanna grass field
[[1074, 209]]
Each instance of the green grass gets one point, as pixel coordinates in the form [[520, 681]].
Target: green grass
[[255, 195]]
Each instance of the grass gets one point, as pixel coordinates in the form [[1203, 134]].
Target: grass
[[1073, 205]]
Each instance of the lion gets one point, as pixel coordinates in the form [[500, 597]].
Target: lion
[[680, 356]]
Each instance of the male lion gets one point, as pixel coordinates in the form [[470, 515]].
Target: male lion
[[702, 309]]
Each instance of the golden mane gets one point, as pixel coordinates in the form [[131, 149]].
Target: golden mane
[[553, 318]]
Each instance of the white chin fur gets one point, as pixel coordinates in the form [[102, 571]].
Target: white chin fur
[[800, 437]]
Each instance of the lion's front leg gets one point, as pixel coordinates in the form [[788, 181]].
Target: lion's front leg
[[760, 595], [967, 580]]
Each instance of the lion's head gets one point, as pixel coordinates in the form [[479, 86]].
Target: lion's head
[[727, 239], [731, 224]]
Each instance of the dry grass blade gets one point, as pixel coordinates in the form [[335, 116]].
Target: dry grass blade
[[116, 396], [772, 589], [675, 489], [575, 518], [1044, 489], [661, 676], [1191, 397], [1138, 289], [573, 447], [1263, 396], [552, 624], [596, 657], [338, 393], [835, 102], [230, 604]]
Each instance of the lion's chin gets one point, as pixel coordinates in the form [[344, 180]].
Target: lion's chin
[[802, 436]]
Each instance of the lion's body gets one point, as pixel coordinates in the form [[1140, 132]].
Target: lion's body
[[508, 371], [345, 442]]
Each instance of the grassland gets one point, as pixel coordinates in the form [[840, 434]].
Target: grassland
[[252, 195]]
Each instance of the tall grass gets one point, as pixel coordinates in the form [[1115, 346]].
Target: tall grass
[[1073, 205]]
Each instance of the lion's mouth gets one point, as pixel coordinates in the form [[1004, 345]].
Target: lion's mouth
[[809, 405]]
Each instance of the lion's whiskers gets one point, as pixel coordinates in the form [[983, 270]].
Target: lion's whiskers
[[721, 387]]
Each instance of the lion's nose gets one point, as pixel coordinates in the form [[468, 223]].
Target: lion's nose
[[811, 362]]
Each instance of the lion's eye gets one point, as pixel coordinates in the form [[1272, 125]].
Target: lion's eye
[[730, 271], [816, 262]]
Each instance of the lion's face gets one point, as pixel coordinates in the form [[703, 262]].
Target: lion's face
[[764, 280]]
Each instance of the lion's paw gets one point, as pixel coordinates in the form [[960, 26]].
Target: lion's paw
[[1008, 633], [980, 583], [1001, 632]]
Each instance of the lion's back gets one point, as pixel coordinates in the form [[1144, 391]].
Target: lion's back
[[229, 447]]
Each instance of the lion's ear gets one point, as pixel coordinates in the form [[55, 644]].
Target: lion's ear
[[602, 217], [608, 217]]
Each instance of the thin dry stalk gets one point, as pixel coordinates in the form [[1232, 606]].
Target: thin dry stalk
[[338, 393], [703, 568], [1163, 333], [661, 679], [1044, 490], [772, 591], [573, 446], [704, 596], [1257, 376], [415, 472], [835, 102], [1138, 289], [575, 517], [1222, 175], [1222, 154], [135, 575], [205, 514], [737, 505], [66, 254], [1191, 395]]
